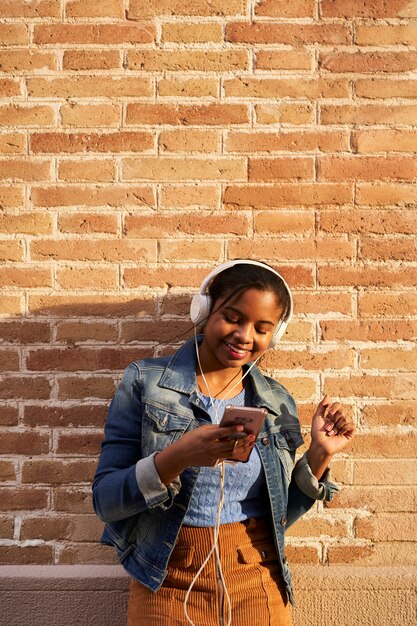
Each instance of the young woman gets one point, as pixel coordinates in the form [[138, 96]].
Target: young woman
[[202, 534]]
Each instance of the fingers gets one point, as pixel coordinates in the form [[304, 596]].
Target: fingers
[[337, 423]]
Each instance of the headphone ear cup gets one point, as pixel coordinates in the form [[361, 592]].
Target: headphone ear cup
[[200, 308], [278, 332]]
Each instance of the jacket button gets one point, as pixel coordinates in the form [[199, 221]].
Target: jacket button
[[264, 554], [265, 441], [283, 521]]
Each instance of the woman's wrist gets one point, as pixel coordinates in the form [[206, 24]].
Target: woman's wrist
[[318, 460], [170, 462]]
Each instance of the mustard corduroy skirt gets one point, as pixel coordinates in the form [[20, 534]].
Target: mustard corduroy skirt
[[251, 575]]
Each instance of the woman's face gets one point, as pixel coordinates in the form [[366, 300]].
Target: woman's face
[[239, 329]]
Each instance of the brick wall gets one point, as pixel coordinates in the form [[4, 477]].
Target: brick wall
[[143, 142]]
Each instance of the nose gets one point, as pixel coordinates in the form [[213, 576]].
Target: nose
[[245, 333]]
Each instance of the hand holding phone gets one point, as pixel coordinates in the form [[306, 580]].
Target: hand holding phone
[[251, 418]]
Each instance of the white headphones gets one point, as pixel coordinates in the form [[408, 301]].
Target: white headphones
[[201, 302]]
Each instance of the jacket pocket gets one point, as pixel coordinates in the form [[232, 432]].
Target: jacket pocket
[[161, 427]]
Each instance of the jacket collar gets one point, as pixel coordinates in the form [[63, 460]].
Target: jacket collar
[[180, 375]]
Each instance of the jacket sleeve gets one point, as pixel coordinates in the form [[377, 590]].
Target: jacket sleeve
[[126, 484]]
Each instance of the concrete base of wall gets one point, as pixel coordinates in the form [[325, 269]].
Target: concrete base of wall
[[88, 594]]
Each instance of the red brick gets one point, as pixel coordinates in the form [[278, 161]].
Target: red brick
[[395, 249], [386, 88], [11, 305], [289, 141], [94, 33], [383, 194], [302, 554], [309, 360], [23, 443], [159, 332], [272, 88], [10, 87], [84, 87], [391, 304], [188, 87], [12, 143], [72, 500], [32, 387], [187, 114], [188, 60], [104, 8], [378, 222], [367, 168], [11, 196], [92, 306], [85, 444], [25, 223], [9, 415], [277, 8], [26, 115], [9, 360], [56, 143], [284, 113], [281, 168], [359, 330], [388, 359], [88, 223], [384, 471], [78, 553], [11, 250], [349, 553], [317, 302], [179, 196], [191, 250], [384, 140], [200, 32], [13, 34], [386, 34], [180, 168], [26, 555], [90, 115], [284, 195], [368, 62], [189, 140], [303, 249], [168, 225], [26, 277], [23, 498], [95, 279], [398, 414], [318, 527], [26, 170], [87, 170], [284, 33], [364, 114], [368, 8], [94, 196], [374, 499], [400, 386], [62, 527], [164, 277], [281, 222], [94, 250], [367, 276], [79, 331], [58, 472], [6, 527], [139, 9], [97, 387], [30, 8], [74, 359], [17, 61], [74, 416], [385, 526]]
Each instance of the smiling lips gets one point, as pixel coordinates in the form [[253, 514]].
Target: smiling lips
[[236, 353]]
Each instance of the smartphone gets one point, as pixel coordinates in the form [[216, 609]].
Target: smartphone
[[250, 418]]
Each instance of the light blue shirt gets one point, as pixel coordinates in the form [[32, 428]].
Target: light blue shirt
[[244, 483]]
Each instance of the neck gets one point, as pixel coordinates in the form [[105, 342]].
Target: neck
[[218, 384]]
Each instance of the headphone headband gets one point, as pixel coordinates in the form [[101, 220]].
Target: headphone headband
[[201, 302]]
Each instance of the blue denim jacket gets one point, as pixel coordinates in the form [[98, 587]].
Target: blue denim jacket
[[155, 404]]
